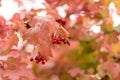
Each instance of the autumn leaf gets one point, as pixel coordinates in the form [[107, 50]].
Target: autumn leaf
[[75, 71]]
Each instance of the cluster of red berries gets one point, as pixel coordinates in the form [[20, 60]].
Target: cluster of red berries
[[38, 59], [59, 40]]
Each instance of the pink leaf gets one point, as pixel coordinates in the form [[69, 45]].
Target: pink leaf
[[12, 53], [112, 68], [75, 71], [16, 74]]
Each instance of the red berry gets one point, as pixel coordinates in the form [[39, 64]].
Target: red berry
[[36, 58], [31, 59], [39, 58], [62, 39], [59, 40], [43, 62], [54, 41], [65, 42], [37, 61]]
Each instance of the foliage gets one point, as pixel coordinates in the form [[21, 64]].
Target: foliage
[[59, 40]]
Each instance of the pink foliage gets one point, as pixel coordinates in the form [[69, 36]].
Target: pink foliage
[[16, 74], [75, 71], [113, 68]]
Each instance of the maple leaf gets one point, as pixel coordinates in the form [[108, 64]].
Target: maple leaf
[[40, 33]]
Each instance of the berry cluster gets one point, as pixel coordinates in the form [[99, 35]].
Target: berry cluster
[[59, 40], [38, 59]]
